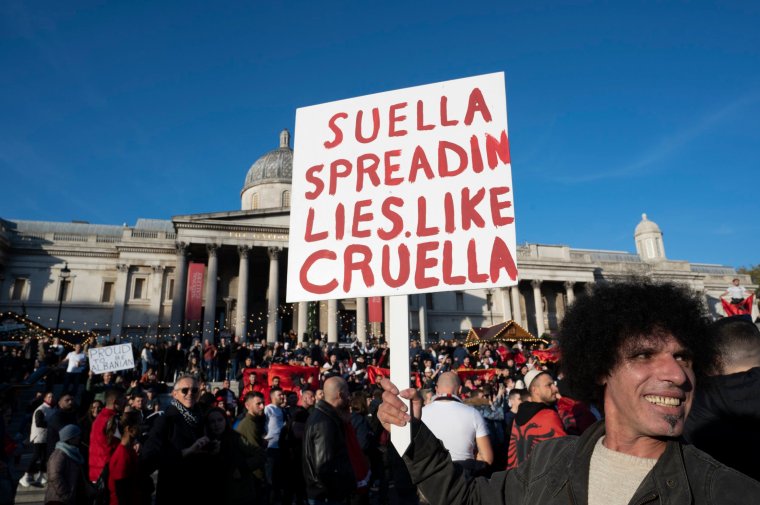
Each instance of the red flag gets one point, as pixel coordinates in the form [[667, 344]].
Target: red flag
[[475, 373], [375, 309], [195, 273], [550, 355], [289, 375], [375, 373], [737, 309]]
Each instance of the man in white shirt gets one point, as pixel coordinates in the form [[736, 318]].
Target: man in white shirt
[[275, 420], [75, 361], [460, 427], [736, 292]]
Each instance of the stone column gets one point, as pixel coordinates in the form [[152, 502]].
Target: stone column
[[121, 289], [156, 292], [570, 290], [209, 312], [516, 309], [241, 312], [303, 320], [422, 314], [505, 303], [180, 290], [273, 294], [539, 303], [332, 321], [361, 319]]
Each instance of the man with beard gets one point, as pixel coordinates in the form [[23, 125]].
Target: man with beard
[[334, 466], [638, 348], [177, 447], [536, 420], [65, 414], [252, 428]]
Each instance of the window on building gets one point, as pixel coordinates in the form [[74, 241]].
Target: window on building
[[169, 293], [107, 296], [139, 291], [255, 201], [65, 289], [460, 300], [286, 198], [19, 286], [429, 301]]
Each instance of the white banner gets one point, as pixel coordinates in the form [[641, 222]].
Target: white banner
[[111, 358], [408, 191]]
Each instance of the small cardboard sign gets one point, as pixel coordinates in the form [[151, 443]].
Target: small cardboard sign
[[407, 191], [111, 358]]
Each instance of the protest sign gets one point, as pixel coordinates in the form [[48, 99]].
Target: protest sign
[[111, 358], [407, 191]]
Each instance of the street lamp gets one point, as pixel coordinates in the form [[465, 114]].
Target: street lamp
[[64, 277]]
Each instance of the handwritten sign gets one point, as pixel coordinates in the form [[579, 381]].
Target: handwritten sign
[[111, 358], [408, 191]]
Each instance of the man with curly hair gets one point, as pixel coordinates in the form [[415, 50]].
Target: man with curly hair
[[636, 348]]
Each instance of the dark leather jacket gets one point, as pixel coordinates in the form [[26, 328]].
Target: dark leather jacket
[[326, 464], [557, 473]]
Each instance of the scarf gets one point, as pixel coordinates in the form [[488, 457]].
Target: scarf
[[190, 418], [70, 451]]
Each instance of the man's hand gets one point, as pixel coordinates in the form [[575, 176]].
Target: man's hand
[[393, 410]]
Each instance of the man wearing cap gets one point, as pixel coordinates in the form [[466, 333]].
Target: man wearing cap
[[460, 427], [536, 420]]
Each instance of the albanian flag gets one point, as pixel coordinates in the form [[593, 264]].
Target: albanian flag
[[375, 373], [476, 373], [737, 309], [290, 374], [551, 355]]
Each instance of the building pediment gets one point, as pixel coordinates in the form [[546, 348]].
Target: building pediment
[[235, 220]]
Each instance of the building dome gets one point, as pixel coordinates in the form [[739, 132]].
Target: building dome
[[267, 184], [646, 226], [276, 165]]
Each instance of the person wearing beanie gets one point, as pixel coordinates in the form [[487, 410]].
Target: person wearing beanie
[[536, 420], [66, 480]]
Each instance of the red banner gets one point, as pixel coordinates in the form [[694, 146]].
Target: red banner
[[737, 309], [289, 376], [375, 309], [195, 274]]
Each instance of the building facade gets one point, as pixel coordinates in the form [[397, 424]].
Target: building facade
[[224, 273]]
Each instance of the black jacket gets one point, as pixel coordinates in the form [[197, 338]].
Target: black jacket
[[725, 420], [558, 473], [326, 463], [180, 479]]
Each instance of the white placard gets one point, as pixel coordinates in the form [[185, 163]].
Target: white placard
[[407, 191], [111, 358]]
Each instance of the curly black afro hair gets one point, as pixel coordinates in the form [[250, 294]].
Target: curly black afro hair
[[598, 325]]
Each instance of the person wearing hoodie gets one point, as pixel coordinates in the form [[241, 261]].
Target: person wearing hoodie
[[66, 480], [536, 420]]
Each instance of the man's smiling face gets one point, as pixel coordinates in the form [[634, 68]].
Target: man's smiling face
[[649, 392]]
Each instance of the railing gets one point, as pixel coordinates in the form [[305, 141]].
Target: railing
[[69, 237]]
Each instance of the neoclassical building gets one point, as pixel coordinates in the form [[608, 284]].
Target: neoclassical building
[[224, 272]]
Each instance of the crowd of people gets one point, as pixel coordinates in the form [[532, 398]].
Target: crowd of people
[[176, 419]]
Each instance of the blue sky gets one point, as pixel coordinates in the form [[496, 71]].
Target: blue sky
[[113, 111]]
